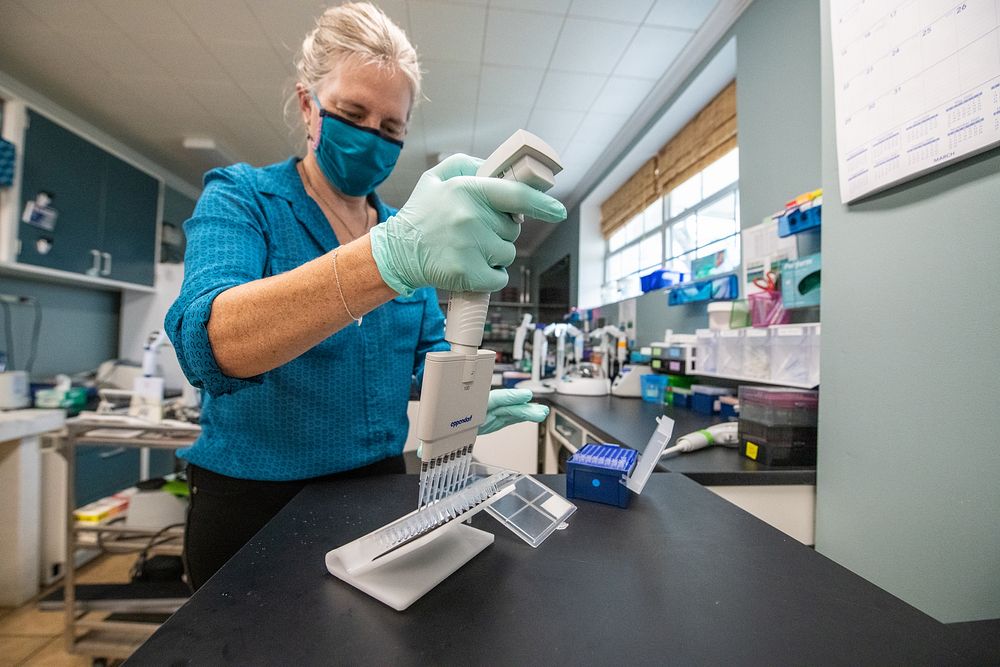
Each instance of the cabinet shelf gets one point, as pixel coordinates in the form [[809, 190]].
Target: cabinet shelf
[[741, 378]]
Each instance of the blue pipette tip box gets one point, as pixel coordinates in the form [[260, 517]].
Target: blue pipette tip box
[[598, 473]]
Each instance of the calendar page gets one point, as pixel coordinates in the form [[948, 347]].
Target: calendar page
[[917, 87]]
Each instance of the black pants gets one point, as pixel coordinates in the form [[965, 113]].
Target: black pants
[[225, 512]]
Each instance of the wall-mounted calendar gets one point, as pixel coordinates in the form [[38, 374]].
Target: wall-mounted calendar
[[917, 87]]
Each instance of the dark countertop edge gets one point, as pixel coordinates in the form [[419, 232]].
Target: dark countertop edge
[[770, 477], [764, 478]]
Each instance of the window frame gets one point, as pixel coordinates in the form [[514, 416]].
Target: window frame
[[666, 223]]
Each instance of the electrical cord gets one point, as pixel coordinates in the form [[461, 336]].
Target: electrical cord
[[154, 541]]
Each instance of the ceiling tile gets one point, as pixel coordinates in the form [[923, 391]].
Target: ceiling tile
[[251, 63], [509, 86], [589, 46], [142, 17], [66, 15], [226, 101], [549, 6], [568, 90], [286, 24], [600, 127], [652, 51], [582, 154], [632, 11], [229, 19], [450, 83], [447, 32], [555, 127], [448, 129], [622, 95], [269, 101], [184, 57], [494, 124], [115, 53], [18, 19], [500, 118], [520, 39], [688, 14], [397, 11]]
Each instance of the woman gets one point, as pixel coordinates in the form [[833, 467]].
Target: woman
[[306, 306]]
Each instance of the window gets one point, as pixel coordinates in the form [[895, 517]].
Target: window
[[695, 229]]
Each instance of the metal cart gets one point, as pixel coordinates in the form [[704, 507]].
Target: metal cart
[[132, 605]]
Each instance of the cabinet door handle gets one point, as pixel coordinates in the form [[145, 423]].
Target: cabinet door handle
[[111, 452], [106, 271], [95, 267]]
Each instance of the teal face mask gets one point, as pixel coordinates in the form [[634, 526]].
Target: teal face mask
[[354, 159]]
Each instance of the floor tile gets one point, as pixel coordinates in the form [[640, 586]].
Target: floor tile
[[15, 650], [109, 569], [54, 655], [29, 621]]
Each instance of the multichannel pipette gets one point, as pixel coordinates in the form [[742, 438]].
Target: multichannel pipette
[[456, 384]]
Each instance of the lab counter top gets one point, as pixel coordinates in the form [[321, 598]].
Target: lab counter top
[[681, 576], [17, 424], [631, 421]]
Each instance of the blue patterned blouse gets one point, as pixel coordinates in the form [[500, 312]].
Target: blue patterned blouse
[[339, 406]]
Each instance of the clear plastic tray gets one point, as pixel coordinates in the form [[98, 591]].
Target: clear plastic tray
[[532, 510]]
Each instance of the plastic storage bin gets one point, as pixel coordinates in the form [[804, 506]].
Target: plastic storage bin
[[705, 399], [766, 309], [779, 406], [610, 474], [680, 398], [660, 279], [600, 482], [654, 388], [778, 445], [795, 354], [706, 349], [719, 313], [756, 354], [730, 352], [800, 220]]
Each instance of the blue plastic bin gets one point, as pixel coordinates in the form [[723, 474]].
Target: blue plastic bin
[[681, 400], [703, 403], [653, 387], [596, 473], [659, 279], [799, 221]]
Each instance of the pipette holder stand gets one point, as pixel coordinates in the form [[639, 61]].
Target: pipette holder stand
[[400, 562]]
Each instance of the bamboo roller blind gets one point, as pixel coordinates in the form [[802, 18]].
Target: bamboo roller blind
[[707, 137]]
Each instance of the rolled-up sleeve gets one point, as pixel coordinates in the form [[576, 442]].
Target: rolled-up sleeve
[[431, 333], [226, 247]]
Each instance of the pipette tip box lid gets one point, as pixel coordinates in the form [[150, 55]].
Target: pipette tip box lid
[[609, 474]]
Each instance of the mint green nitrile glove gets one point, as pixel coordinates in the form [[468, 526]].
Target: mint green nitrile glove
[[454, 232], [511, 406]]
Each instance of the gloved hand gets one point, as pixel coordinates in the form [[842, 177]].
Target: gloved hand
[[454, 232], [505, 407], [510, 406]]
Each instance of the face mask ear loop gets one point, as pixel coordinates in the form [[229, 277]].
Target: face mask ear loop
[[314, 140]]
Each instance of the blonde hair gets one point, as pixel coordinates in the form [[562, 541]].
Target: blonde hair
[[354, 31]]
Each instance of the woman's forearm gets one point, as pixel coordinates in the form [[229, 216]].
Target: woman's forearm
[[263, 324]]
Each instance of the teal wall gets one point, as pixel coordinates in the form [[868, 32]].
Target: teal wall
[[777, 104], [79, 326], [908, 492], [778, 114]]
